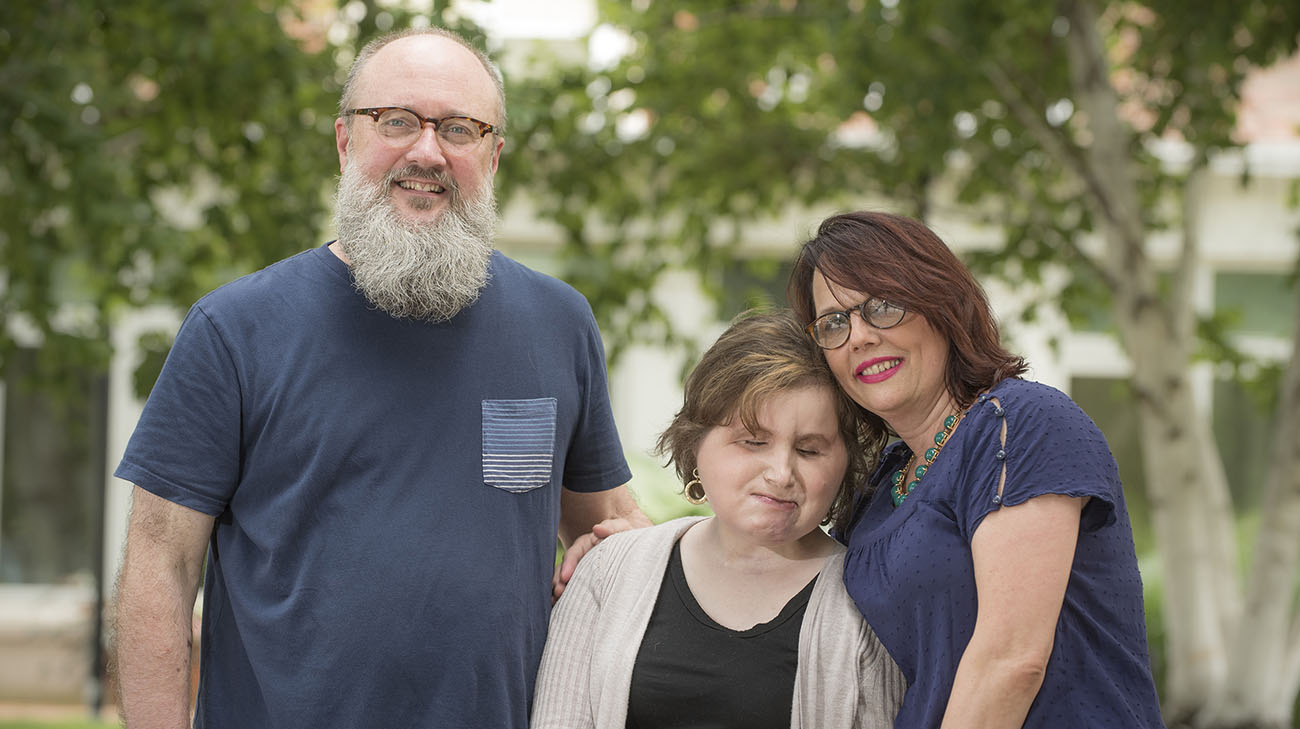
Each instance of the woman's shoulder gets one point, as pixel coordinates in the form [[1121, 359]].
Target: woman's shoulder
[[1014, 388], [631, 558], [829, 593], [834, 562], [653, 538], [1057, 446], [1027, 398]]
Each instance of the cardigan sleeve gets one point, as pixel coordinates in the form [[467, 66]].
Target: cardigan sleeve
[[845, 678], [881, 684], [563, 697]]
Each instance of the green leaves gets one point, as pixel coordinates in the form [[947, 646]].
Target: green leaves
[[133, 136], [734, 114], [153, 151]]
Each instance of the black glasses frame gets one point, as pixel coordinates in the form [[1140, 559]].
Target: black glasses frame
[[868, 310]]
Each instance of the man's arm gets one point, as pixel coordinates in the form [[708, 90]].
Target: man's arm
[[165, 547], [587, 518]]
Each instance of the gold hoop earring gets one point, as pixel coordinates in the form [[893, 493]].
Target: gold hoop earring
[[694, 490]]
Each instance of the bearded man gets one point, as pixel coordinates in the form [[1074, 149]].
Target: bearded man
[[375, 445]]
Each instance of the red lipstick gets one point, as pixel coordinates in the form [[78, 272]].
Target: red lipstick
[[893, 363]]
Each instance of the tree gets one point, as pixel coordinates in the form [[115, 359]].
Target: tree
[[147, 155], [1041, 118], [153, 151]]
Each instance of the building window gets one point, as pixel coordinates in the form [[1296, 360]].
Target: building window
[[1110, 404], [1243, 429], [52, 490], [1265, 301], [753, 283]]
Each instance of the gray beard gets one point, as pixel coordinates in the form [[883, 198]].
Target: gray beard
[[428, 271]]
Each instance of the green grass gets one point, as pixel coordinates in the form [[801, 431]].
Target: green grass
[[55, 724]]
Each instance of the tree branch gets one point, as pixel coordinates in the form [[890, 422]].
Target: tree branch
[[1039, 217], [1057, 144], [1184, 283], [1106, 159]]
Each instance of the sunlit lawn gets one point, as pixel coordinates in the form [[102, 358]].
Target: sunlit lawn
[[56, 724]]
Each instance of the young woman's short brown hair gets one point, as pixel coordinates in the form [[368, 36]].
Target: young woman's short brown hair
[[760, 355]]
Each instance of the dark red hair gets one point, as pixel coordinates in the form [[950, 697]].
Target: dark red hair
[[901, 260]]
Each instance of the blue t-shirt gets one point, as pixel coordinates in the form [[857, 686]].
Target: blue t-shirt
[[386, 492], [910, 570]]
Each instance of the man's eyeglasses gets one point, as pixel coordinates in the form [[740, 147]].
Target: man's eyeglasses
[[399, 127], [832, 330]]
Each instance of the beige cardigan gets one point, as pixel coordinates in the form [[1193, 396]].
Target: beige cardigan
[[845, 678]]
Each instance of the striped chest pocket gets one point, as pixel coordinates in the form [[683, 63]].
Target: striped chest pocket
[[518, 443]]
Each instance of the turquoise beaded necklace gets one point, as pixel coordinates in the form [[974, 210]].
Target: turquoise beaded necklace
[[902, 487]]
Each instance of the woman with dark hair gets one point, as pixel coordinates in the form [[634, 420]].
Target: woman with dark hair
[[994, 555], [739, 620]]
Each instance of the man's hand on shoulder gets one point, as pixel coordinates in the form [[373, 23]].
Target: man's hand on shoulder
[[620, 513]]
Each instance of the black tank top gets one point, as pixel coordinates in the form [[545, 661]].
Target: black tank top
[[693, 672]]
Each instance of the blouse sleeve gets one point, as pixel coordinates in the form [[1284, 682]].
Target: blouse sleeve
[[1051, 447]]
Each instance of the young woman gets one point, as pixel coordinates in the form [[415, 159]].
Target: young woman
[[739, 620]]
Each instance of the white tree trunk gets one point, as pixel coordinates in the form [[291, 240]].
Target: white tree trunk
[[1264, 663], [1190, 507], [1230, 662], [1181, 493]]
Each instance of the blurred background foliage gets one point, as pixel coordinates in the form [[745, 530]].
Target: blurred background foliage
[[151, 151], [722, 116], [154, 150]]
